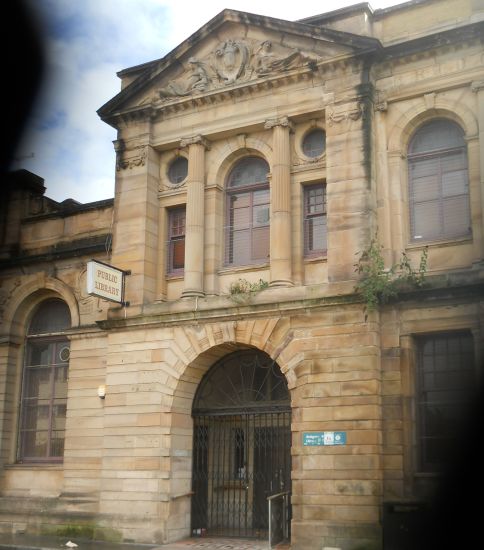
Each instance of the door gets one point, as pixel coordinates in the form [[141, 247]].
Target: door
[[241, 445]]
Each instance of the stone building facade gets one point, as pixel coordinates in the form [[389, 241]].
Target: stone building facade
[[256, 162]]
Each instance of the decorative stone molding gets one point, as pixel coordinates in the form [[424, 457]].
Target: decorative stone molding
[[129, 156], [344, 112], [281, 121], [477, 86], [381, 103], [429, 100], [198, 139]]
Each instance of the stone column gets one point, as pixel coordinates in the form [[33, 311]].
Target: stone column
[[195, 211], [280, 235]]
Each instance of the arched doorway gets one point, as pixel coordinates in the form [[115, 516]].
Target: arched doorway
[[241, 447]]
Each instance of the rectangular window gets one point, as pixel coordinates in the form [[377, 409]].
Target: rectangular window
[[445, 381], [315, 231], [176, 240]]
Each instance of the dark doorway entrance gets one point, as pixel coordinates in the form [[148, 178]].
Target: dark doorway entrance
[[241, 446]]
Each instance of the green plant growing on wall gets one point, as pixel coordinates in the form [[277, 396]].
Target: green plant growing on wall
[[378, 285], [240, 289]]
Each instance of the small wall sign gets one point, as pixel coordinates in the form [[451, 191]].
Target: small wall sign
[[316, 439], [105, 281]]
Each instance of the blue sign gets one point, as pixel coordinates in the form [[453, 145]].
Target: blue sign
[[317, 439]]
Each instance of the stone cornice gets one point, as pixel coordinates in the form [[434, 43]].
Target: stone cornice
[[206, 99], [440, 290]]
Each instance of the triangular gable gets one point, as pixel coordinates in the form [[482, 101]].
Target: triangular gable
[[233, 58]]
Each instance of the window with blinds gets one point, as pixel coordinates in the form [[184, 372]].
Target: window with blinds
[[176, 240], [438, 183], [247, 230], [315, 228]]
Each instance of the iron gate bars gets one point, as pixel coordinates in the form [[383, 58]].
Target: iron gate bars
[[241, 445]]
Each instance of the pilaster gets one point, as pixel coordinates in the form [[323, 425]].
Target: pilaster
[[135, 223]]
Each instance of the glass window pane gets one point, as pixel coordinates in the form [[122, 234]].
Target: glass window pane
[[35, 444], [51, 316], [426, 221], [445, 389], [57, 444], [249, 171], [424, 181], [240, 247], [437, 134], [260, 244], [456, 216], [314, 143], [261, 216], [177, 254], [316, 234], [240, 218], [454, 183], [178, 170], [262, 196], [40, 353]]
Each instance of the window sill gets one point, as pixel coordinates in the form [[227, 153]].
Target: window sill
[[314, 259], [35, 466], [444, 242], [242, 268], [175, 276]]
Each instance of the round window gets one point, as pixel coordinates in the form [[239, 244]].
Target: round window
[[64, 354], [178, 170], [314, 143]]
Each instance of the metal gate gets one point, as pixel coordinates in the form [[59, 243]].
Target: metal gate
[[241, 446]]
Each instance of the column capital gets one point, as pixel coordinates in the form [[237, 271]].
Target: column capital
[[281, 121], [195, 140]]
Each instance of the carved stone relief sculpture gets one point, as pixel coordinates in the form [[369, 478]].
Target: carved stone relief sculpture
[[129, 158], [197, 81], [234, 61]]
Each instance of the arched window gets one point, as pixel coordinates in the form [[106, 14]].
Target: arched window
[[247, 231], [438, 182], [44, 385]]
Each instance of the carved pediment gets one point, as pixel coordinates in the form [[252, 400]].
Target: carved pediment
[[233, 52], [235, 61]]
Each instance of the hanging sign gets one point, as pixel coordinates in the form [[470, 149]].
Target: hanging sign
[[323, 438], [106, 281]]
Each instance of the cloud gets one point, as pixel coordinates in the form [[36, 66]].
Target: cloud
[[86, 43]]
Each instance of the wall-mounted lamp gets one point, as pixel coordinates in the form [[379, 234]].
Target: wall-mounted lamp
[[101, 391]]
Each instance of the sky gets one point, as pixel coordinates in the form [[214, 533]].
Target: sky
[[86, 43]]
